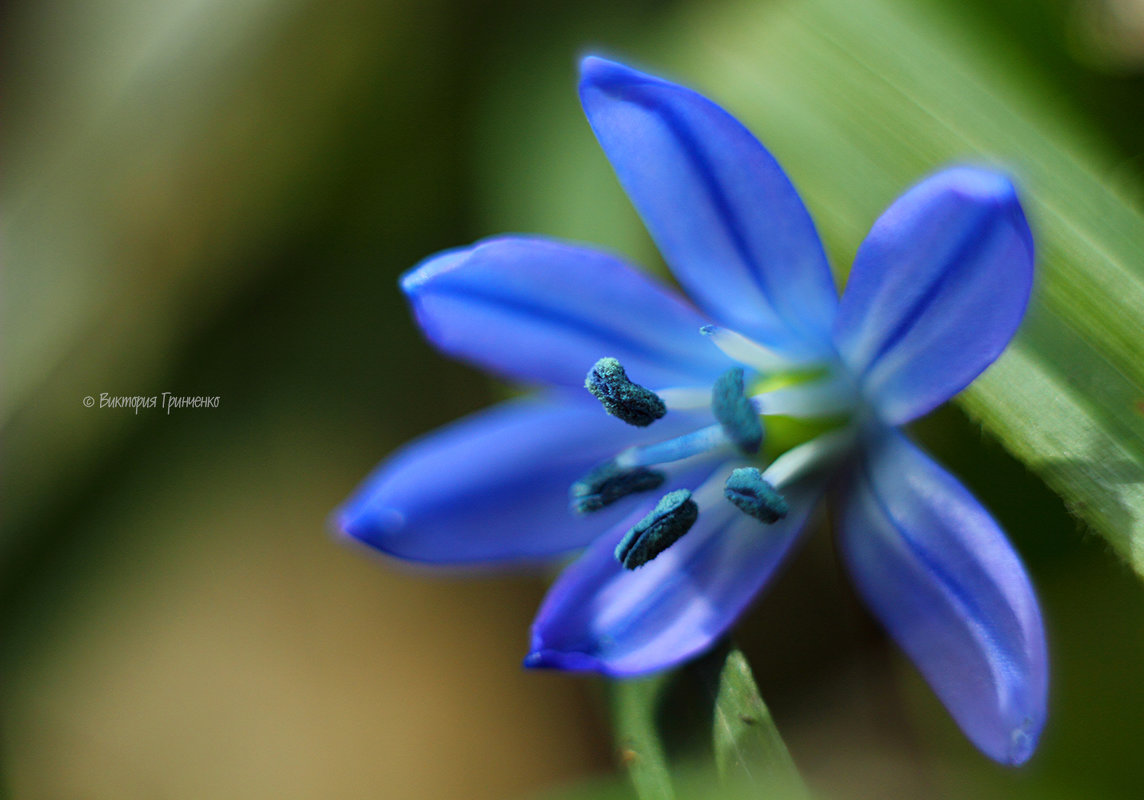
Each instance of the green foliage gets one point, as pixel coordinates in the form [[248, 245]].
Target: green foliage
[[705, 727], [747, 744], [641, 747]]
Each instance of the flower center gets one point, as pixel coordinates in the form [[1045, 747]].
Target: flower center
[[821, 393]]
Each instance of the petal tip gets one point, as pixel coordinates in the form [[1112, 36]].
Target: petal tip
[[536, 660], [548, 658], [1022, 744], [597, 72], [592, 62], [980, 184], [593, 67], [369, 526], [336, 526], [413, 280]]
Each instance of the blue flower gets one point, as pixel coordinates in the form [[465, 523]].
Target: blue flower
[[682, 519]]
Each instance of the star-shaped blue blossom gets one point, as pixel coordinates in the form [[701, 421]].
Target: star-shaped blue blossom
[[682, 520]]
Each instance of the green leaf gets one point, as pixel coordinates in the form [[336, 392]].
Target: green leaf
[[748, 748], [702, 726], [641, 750]]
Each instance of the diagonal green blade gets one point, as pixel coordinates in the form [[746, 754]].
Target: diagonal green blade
[[702, 728], [748, 748], [640, 742]]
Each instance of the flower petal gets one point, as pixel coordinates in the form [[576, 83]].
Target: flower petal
[[937, 291], [600, 617], [726, 218], [545, 311], [935, 568], [494, 486]]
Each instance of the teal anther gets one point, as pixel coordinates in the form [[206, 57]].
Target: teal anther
[[621, 398], [749, 490], [672, 517], [735, 413], [608, 483]]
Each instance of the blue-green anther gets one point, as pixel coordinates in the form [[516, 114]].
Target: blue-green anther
[[672, 517], [735, 413], [749, 490], [620, 397], [608, 483]]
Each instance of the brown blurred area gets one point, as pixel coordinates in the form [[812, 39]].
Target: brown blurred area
[[206, 640], [217, 199]]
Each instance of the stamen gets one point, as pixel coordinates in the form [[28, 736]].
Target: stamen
[[703, 440], [735, 413], [608, 483], [745, 351], [748, 490], [672, 517], [621, 398]]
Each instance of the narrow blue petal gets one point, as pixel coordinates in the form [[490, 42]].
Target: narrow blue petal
[[494, 486], [726, 218], [935, 568], [544, 312], [937, 291], [600, 617]]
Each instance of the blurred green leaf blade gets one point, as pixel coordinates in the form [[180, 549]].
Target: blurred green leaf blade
[[704, 725], [748, 747], [641, 748]]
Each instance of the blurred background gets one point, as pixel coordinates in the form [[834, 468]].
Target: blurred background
[[216, 198]]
